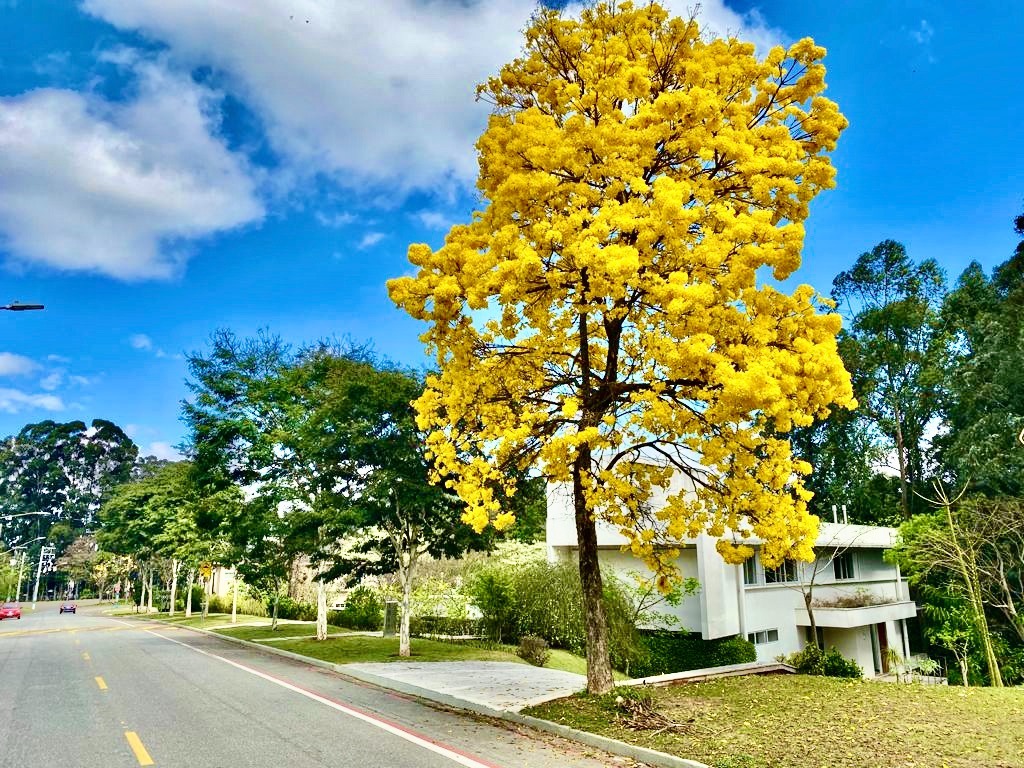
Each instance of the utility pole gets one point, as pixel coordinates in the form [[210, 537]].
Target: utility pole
[[45, 553], [21, 570]]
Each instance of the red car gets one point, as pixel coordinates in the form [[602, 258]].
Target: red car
[[10, 611], [69, 608]]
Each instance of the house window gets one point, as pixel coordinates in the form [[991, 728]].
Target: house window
[[750, 570], [783, 574], [842, 564], [764, 636]]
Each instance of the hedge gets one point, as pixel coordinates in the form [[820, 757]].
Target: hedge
[[669, 652]]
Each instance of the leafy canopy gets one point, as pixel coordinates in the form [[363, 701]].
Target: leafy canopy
[[601, 316]]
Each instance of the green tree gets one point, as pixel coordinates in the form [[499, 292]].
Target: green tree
[[894, 337], [62, 470], [846, 454], [950, 549], [984, 408], [235, 420], [374, 474]]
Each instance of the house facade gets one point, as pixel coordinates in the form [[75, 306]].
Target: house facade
[[860, 603]]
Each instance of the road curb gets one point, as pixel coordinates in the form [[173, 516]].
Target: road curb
[[613, 746]]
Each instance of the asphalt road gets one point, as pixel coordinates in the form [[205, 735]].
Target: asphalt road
[[89, 690]]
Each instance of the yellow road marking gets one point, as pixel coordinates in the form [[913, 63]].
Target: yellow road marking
[[85, 655], [101, 683], [25, 632], [140, 751], [77, 641]]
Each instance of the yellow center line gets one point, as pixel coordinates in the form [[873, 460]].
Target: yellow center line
[[140, 751], [101, 683], [85, 656]]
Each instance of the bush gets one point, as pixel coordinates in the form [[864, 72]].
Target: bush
[[491, 591], [534, 650], [293, 609], [364, 610], [420, 626], [668, 652], [546, 600], [831, 663], [246, 605]]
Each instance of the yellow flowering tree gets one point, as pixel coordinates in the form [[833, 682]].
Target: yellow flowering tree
[[601, 317]]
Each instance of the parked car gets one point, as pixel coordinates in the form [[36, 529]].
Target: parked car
[[10, 611], [69, 608]]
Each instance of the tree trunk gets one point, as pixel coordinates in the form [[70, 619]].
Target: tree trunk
[[188, 594], [149, 596], [808, 600], [599, 665], [901, 457], [962, 661], [968, 565], [321, 610], [404, 644], [273, 617], [234, 599], [174, 585]]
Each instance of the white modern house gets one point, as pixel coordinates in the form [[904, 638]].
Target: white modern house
[[767, 605]]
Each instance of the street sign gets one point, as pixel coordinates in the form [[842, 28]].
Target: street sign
[[206, 570]]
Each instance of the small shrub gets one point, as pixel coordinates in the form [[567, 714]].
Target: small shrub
[[364, 610], [812, 660], [534, 650]]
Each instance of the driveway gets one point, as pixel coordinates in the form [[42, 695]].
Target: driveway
[[504, 686]]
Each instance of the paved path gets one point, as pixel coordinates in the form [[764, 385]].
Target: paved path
[[91, 691], [501, 685]]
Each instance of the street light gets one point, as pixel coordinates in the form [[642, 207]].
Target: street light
[[8, 518], [17, 306]]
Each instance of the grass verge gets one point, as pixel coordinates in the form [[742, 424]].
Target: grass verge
[[361, 648], [795, 721], [196, 620]]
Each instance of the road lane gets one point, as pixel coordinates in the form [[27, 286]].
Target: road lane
[[197, 701], [51, 712]]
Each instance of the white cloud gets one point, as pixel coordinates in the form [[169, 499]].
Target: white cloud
[[370, 239], [161, 450], [58, 359], [52, 381], [15, 365], [375, 94], [335, 220], [923, 33], [16, 401], [434, 219], [118, 187], [141, 341]]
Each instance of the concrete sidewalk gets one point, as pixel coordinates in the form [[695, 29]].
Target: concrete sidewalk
[[499, 685]]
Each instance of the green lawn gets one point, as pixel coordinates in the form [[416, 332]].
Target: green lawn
[[196, 620], [795, 721], [360, 648], [263, 631]]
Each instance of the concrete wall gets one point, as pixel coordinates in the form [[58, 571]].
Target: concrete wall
[[853, 644]]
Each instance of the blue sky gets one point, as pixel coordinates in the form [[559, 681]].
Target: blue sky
[[170, 168]]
